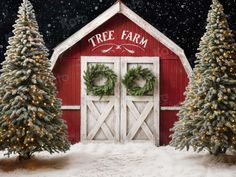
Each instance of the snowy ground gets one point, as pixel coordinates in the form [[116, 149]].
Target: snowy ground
[[111, 160]]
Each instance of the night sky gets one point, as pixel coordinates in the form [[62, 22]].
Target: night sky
[[183, 21]]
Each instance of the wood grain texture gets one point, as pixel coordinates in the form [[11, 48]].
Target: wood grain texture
[[134, 119], [96, 110]]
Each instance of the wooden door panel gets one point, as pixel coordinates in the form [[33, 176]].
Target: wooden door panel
[[120, 117], [100, 116], [140, 114]]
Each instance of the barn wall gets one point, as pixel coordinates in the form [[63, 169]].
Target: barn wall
[[172, 74], [167, 119], [67, 72], [72, 119]]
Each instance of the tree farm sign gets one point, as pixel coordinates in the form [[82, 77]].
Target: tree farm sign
[[107, 41]]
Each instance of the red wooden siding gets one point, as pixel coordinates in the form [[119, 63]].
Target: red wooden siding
[[67, 74], [72, 119], [167, 120], [172, 74], [173, 82]]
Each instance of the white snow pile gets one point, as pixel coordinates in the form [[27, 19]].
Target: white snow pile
[[117, 160]]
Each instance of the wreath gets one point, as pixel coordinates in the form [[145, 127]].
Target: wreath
[[95, 71], [137, 73]]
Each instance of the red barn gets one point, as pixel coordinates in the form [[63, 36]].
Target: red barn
[[120, 39]]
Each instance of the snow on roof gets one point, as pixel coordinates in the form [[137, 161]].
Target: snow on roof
[[121, 8]]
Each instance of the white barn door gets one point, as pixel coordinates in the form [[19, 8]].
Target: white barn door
[[120, 117], [100, 117], [140, 114]]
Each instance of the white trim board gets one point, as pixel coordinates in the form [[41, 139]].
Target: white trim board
[[163, 108], [121, 8], [69, 107], [170, 108]]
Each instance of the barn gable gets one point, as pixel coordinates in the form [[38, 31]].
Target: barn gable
[[120, 8]]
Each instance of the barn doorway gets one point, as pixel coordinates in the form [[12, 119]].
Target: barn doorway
[[120, 117]]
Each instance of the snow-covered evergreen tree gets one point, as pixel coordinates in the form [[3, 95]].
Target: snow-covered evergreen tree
[[208, 115], [30, 116]]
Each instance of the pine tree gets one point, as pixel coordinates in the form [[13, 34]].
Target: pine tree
[[29, 110], [208, 115]]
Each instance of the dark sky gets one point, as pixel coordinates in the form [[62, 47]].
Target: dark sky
[[183, 21]]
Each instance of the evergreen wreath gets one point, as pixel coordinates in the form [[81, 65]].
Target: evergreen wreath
[[92, 73], [135, 74]]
